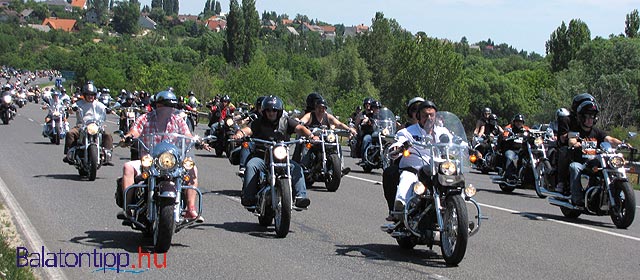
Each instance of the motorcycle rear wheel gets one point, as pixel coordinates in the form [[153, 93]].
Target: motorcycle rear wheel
[[623, 214], [283, 207], [407, 242], [335, 168], [94, 160], [455, 234], [506, 189], [164, 227]]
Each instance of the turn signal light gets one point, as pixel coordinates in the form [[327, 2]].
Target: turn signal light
[[145, 175], [406, 153], [186, 178], [309, 145], [473, 158], [245, 145]]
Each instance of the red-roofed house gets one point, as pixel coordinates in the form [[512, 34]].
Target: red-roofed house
[[216, 25], [60, 23], [82, 4], [286, 21]]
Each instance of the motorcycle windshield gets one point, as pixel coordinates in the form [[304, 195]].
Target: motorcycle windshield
[[385, 119], [158, 143], [458, 146]]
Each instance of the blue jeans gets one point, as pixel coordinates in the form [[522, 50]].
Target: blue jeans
[[511, 158], [366, 142], [252, 177], [245, 153], [575, 169]]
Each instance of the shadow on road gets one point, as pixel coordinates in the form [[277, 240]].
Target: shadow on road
[[128, 241], [362, 172], [253, 229], [580, 221], [236, 193], [498, 191], [419, 256], [72, 177], [41, 143]]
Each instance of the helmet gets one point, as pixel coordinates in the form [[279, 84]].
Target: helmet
[[321, 102], [311, 100], [259, 101], [180, 99], [225, 98], [130, 96], [64, 90], [562, 113], [578, 99], [56, 94], [376, 104], [367, 100], [273, 103], [411, 102], [426, 104], [166, 98], [518, 117], [191, 93], [90, 89], [588, 107], [493, 117], [486, 110], [123, 91]]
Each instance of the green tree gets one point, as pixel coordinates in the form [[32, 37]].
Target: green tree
[[250, 30], [632, 24], [233, 47], [218, 8], [565, 42], [125, 17]]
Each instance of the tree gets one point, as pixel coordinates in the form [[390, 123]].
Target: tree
[[565, 42], [632, 24], [251, 29], [218, 8], [156, 4], [125, 17], [233, 47], [578, 34]]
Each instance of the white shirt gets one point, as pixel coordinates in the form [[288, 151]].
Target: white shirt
[[419, 156], [90, 111]]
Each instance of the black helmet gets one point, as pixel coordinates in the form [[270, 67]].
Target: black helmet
[[588, 107], [411, 102], [367, 100], [259, 101], [518, 117], [321, 102], [376, 104], [578, 99], [493, 117], [311, 100], [89, 89], [486, 110], [426, 104], [273, 103], [225, 98], [166, 98], [130, 96]]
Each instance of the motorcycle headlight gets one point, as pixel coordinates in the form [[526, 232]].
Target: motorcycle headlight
[[385, 132], [470, 191], [331, 137], [229, 122], [616, 162], [280, 152], [166, 161], [146, 161], [538, 141], [448, 168], [131, 115], [188, 163], [92, 129], [6, 99], [419, 188]]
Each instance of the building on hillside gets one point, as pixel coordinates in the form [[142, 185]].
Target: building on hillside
[[40, 27], [60, 24], [216, 24], [146, 23], [62, 3], [328, 32], [355, 30], [286, 21], [81, 4], [91, 16], [292, 30], [185, 18], [7, 15]]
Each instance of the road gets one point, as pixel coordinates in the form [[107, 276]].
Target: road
[[337, 238]]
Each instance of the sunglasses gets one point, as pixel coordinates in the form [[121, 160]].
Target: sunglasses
[[271, 110], [413, 109]]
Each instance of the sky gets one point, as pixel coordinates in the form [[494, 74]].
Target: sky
[[525, 25]]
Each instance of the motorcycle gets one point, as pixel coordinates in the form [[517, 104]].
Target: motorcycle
[[275, 200], [532, 163], [435, 206], [159, 200], [484, 156], [322, 159], [226, 128], [128, 116], [6, 108], [607, 190], [56, 129], [88, 154], [374, 155], [22, 99]]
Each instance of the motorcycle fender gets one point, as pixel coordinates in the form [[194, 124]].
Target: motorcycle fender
[[452, 180], [167, 189]]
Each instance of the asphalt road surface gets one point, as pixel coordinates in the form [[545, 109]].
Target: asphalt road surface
[[339, 237]]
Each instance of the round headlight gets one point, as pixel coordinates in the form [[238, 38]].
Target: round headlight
[[229, 122], [146, 160], [188, 163], [419, 188], [6, 99], [166, 160], [280, 152], [448, 168], [331, 137], [469, 191], [616, 162], [385, 132], [92, 129], [538, 141]]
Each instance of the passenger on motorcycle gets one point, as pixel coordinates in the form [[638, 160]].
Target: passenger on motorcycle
[[426, 127], [219, 112], [162, 119], [484, 120], [86, 109], [54, 103], [581, 141], [391, 174], [366, 125], [272, 125], [129, 102], [511, 148], [488, 130], [192, 101]]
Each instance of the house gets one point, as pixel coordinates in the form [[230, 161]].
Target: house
[[313, 28], [286, 21], [81, 4], [216, 25], [40, 27], [185, 18], [147, 23], [292, 30], [355, 30], [62, 3], [91, 16], [60, 23], [8, 15]]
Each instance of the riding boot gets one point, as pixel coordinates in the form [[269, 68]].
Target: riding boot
[[107, 158]]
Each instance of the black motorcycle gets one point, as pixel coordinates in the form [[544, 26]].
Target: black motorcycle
[[532, 162], [128, 116], [435, 206], [322, 159], [6, 108], [374, 154], [484, 156], [226, 128], [88, 154]]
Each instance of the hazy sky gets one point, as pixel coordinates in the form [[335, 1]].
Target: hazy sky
[[525, 25]]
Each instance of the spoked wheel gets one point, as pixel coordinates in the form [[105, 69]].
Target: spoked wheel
[[282, 207], [163, 228], [455, 234], [335, 168], [623, 213], [542, 170]]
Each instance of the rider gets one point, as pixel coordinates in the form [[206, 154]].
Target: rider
[[488, 130], [391, 174], [366, 126], [55, 103], [220, 112], [254, 114], [421, 131], [90, 108], [6, 90], [162, 119], [512, 149], [585, 138], [272, 125], [128, 102], [192, 100], [484, 119]]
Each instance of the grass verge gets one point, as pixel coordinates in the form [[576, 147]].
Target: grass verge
[[9, 239]]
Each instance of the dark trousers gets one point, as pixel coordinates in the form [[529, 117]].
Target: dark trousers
[[74, 133], [390, 181]]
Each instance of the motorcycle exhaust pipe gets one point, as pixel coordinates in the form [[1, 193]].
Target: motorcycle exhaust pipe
[[556, 202], [554, 194]]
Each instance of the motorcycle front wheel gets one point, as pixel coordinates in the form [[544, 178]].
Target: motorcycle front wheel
[[335, 169], [283, 207], [56, 137], [163, 228], [94, 160], [455, 234], [623, 213], [542, 170]]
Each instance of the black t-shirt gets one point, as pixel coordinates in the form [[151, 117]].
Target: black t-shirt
[[566, 124], [590, 141], [266, 130]]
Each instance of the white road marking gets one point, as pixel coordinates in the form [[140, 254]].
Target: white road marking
[[363, 179], [31, 120], [31, 235], [560, 222]]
